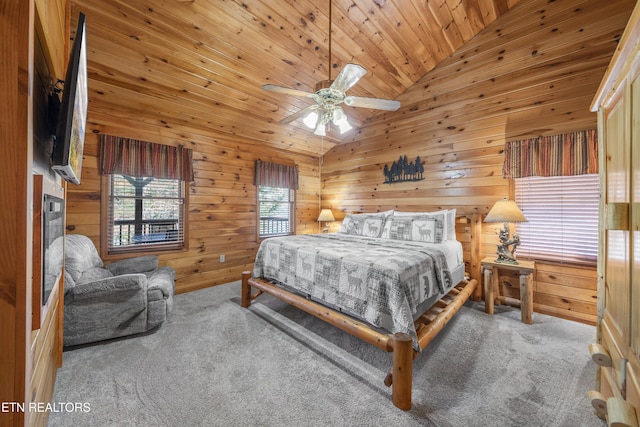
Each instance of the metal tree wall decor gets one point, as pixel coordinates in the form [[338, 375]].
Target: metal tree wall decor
[[403, 170]]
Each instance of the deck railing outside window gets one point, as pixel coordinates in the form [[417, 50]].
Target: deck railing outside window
[[276, 207], [274, 225], [150, 231]]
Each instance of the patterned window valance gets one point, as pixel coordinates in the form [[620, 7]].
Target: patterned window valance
[[275, 175], [127, 156], [573, 153]]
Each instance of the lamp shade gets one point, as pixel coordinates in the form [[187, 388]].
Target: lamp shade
[[505, 211], [311, 120], [326, 216]]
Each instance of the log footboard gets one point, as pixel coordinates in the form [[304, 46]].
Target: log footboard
[[427, 327]]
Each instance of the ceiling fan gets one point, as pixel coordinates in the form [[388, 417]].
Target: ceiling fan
[[328, 96]]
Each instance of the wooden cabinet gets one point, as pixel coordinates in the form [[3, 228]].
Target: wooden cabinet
[[618, 106]]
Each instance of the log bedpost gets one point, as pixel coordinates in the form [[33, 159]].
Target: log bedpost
[[246, 289], [402, 370], [475, 255]]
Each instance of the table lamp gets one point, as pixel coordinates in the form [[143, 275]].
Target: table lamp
[[506, 211], [326, 216]]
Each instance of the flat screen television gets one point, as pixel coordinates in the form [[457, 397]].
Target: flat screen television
[[66, 158]]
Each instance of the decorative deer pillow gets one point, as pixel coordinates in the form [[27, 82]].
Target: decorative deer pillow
[[449, 221], [363, 224], [420, 228]]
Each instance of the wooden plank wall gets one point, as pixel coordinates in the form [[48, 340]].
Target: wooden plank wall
[[28, 358], [222, 200], [502, 85], [16, 39]]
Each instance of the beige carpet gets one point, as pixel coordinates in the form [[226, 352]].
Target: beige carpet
[[217, 364]]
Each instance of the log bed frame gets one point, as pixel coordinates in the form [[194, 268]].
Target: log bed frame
[[400, 344]]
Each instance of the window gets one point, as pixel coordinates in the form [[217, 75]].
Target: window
[[144, 194], [276, 185], [145, 213], [562, 214], [276, 207]]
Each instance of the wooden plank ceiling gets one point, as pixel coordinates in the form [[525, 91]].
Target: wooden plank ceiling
[[201, 64]]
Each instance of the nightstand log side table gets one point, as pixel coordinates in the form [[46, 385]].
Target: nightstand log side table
[[491, 282]]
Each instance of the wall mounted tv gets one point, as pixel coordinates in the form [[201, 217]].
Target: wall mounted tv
[[66, 158]]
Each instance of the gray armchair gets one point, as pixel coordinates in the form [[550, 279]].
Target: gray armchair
[[123, 298]]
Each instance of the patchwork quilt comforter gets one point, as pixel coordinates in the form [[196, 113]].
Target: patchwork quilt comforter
[[381, 281]]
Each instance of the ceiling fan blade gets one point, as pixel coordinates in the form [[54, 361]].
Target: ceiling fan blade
[[299, 114], [287, 90], [375, 103], [349, 76]]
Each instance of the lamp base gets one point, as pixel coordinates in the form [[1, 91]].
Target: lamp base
[[507, 247], [503, 260]]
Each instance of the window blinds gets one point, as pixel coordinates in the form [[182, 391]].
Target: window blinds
[[562, 214]]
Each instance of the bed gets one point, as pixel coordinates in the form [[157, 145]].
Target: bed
[[391, 279]]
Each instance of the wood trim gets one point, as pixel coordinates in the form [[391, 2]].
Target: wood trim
[[60, 321], [610, 341], [38, 255], [475, 255], [619, 64], [104, 216], [45, 355], [633, 380], [41, 186], [16, 132]]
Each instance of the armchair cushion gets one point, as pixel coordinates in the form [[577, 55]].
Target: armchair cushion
[[92, 275], [80, 255], [114, 289], [162, 279], [141, 264]]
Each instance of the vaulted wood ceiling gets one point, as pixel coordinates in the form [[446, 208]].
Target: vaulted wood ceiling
[[201, 63]]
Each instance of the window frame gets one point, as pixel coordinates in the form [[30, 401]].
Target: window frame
[[585, 261], [145, 249], [292, 214]]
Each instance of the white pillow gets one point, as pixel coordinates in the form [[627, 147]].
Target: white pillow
[[451, 224]]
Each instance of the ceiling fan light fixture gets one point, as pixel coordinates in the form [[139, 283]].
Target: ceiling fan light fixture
[[344, 125], [340, 120], [328, 96], [320, 129], [311, 120], [338, 115]]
